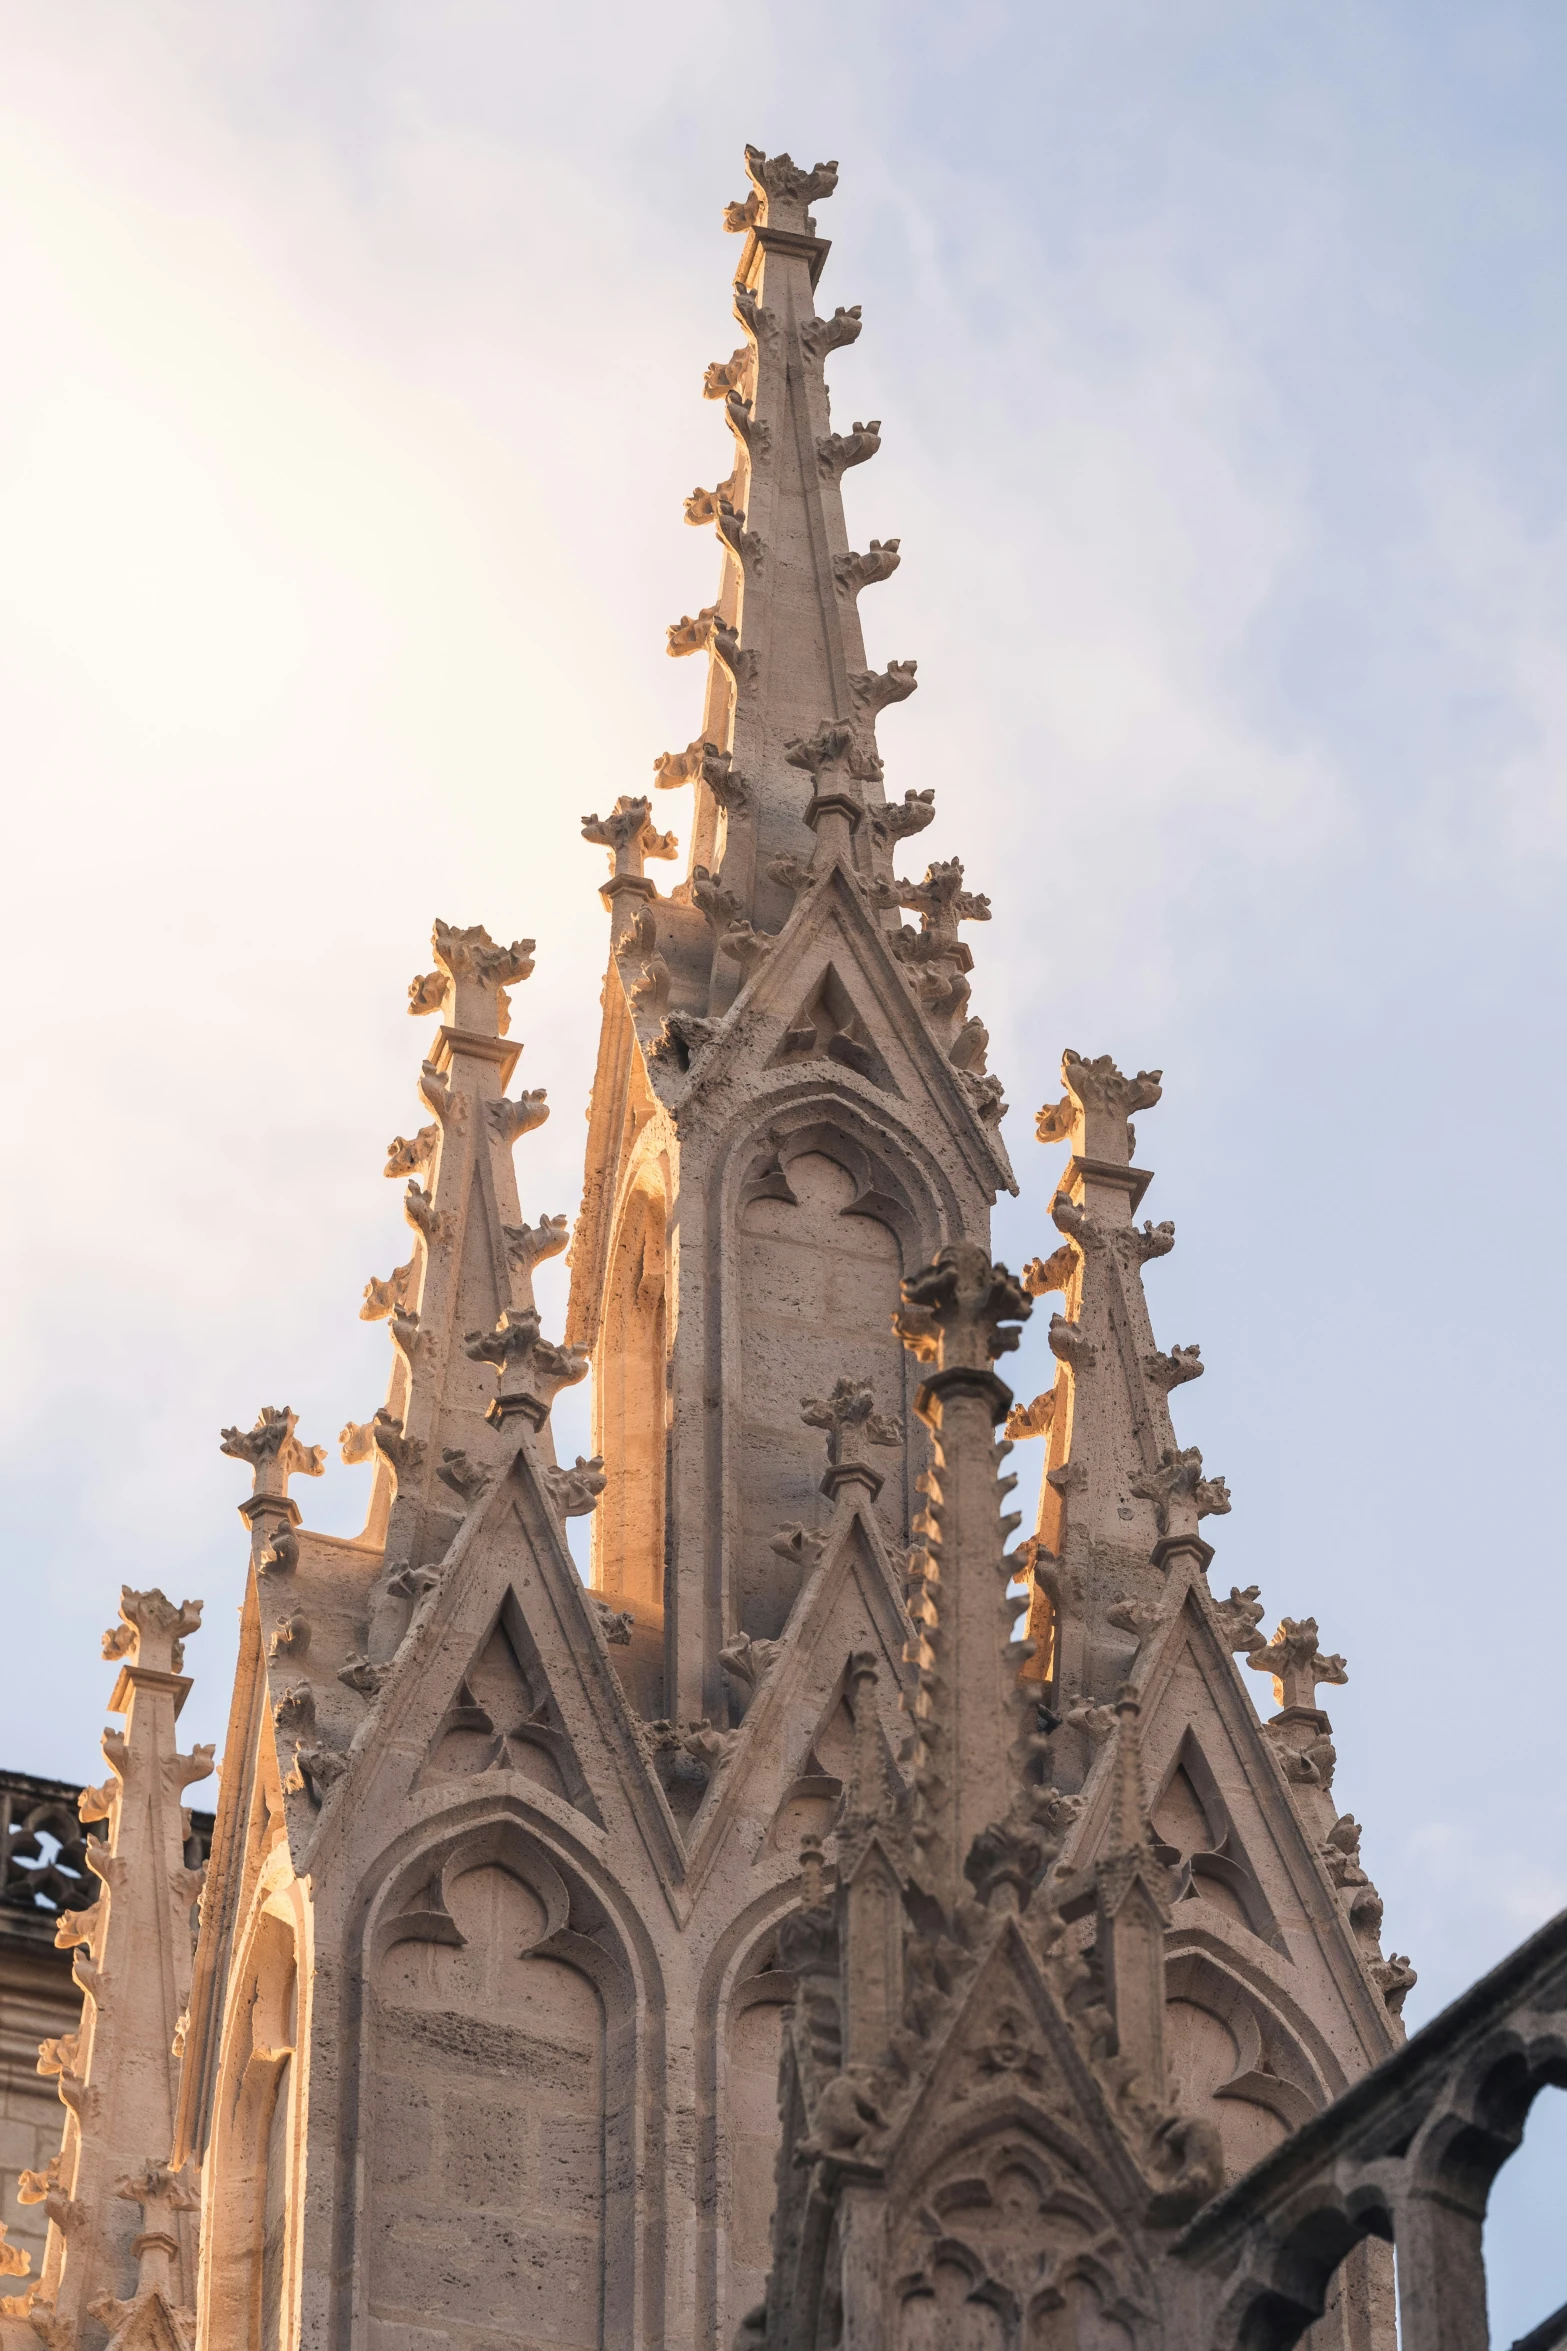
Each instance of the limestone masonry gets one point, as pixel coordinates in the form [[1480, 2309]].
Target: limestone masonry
[[761, 1946]]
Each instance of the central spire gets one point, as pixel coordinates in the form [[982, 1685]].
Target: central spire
[[788, 736]]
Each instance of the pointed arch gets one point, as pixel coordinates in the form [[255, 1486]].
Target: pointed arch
[[630, 1410], [492, 2113]]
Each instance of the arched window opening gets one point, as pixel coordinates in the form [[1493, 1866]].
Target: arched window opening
[[250, 2266], [1525, 2251], [629, 1389]]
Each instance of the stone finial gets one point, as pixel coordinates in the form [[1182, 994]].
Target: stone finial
[[275, 1455], [630, 836], [1296, 1663], [958, 1314], [1181, 1495], [940, 901], [469, 988], [783, 189], [152, 1631], [530, 1371], [852, 1423], [1095, 1113]]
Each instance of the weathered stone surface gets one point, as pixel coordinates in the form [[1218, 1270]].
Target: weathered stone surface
[[763, 1945]]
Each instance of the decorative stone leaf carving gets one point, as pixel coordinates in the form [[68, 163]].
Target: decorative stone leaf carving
[[422, 1213], [801, 1546], [1177, 1489], [747, 1661], [985, 1093], [528, 1245], [575, 1491], [511, 1119], [838, 451], [726, 648], [427, 993], [1296, 1663], [745, 546], [629, 834], [854, 572], [279, 1555], [272, 1445], [450, 1107], [902, 817], [472, 958], [1174, 1369], [316, 1772], [405, 1454], [1154, 1240], [691, 632], [616, 1624], [1137, 1617], [720, 906], [682, 1036], [750, 430], [960, 1309], [1070, 1344], [356, 1442], [292, 1636], [723, 376], [700, 761], [1042, 1275], [874, 689], [406, 1154], [746, 946], [1395, 1979], [1239, 1617], [821, 335], [393, 1295], [467, 1479], [703, 506], [758, 322], [737, 217], [361, 1675], [1032, 1420], [791, 873], [851, 1420], [940, 901], [782, 181], [530, 1370], [970, 1048], [295, 1709]]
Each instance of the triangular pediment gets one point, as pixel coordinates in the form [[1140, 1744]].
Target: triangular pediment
[[792, 1755], [1009, 2070], [502, 1718], [1259, 1942], [505, 1680], [831, 971]]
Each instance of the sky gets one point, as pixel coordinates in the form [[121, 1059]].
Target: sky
[[351, 392]]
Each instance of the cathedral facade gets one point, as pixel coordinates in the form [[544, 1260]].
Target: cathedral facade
[[850, 1918]]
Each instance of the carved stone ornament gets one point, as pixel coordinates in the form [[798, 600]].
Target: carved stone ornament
[[748, 1661], [1179, 1491], [575, 1491], [901, 818], [874, 689], [393, 1296], [616, 1624], [836, 452], [530, 1370], [1172, 1370], [629, 834], [1296, 1663], [528, 1245], [1239, 1617], [818, 336], [851, 1420], [735, 374], [407, 1154], [1032, 1420], [511, 1119], [479, 971], [467, 1479], [405, 1454], [273, 1450], [960, 1311], [691, 632]]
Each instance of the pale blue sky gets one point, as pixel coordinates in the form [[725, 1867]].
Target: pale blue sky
[[351, 393]]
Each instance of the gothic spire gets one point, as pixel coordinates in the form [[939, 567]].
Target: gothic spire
[[788, 738], [122, 2242]]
